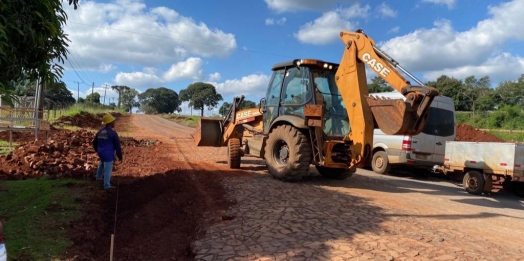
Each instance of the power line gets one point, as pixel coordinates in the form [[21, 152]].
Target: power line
[[182, 40]]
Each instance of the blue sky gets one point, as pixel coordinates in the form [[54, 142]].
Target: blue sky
[[233, 44]]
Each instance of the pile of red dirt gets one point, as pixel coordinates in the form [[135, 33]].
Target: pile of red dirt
[[84, 120], [468, 133], [67, 154]]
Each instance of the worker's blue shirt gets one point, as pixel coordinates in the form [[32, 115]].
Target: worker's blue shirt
[[106, 143]]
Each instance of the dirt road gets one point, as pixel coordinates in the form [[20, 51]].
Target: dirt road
[[367, 217]]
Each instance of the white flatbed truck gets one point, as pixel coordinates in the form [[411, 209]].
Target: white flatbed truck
[[483, 164]]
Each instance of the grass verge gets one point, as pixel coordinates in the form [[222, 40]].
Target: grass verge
[[189, 121], [36, 214], [4, 147], [509, 136]]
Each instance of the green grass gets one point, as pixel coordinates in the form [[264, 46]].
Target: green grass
[[509, 136], [78, 109], [4, 147], [190, 121], [36, 213]]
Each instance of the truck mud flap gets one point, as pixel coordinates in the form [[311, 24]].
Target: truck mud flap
[[208, 132]]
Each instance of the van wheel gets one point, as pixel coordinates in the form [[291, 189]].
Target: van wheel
[[287, 153], [474, 182], [233, 153], [333, 173], [380, 163]]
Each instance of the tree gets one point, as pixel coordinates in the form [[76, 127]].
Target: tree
[[93, 98], [59, 94], [510, 92], [159, 100], [200, 95], [224, 108], [32, 41], [81, 100], [248, 104], [120, 89], [450, 87], [127, 98], [379, 85], [474, 91]]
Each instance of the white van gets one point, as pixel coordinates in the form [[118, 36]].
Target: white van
[[420, 152]]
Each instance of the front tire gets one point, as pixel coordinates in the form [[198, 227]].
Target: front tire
[[333, 173], [233, 153], [287, 153], [380, 163], [474, 182]]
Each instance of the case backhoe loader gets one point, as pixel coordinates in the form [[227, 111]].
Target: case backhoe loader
[[321, 113]]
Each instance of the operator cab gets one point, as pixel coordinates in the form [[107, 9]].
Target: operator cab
[[299, 82]]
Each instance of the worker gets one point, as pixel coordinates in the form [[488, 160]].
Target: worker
[[106, 142]]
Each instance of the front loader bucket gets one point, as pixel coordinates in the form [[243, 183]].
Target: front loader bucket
[[395, 117], [208, 132]]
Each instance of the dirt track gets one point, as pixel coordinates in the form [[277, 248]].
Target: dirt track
[[173, 197], [367, 217]]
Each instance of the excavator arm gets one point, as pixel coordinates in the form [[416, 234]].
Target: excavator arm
[[392, 116]]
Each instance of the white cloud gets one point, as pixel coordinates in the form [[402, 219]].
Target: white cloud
[[449, 3], [127, 31], [189, 69], [214, 77], [298, 5], [251, 85], [137, 79], [271, 21], [394, 29], [499, 68], [386, 11], [104, 67], [443, 49], [326, 28]]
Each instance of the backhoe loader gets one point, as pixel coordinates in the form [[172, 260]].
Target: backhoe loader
[[320, 113]]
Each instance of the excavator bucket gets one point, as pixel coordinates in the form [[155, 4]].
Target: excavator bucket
[[208, 132], [395, 116]]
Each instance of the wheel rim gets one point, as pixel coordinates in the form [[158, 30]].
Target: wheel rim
[[281, 152], [379, 162], [473, 183]]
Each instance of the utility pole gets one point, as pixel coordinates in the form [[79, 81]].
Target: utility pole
[[77, 90], [106, 86], [92, 90]]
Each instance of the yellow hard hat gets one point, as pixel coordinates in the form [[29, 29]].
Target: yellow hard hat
[[108, 118]]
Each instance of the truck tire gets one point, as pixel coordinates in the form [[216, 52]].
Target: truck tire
[[380, 163], [233, 153], [333, 173], [287, 153], [474, 182]]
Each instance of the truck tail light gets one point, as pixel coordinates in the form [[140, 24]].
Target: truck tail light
[[406, 143]]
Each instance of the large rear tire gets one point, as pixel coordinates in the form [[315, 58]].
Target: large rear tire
[[332, 173], [474, 182], [233, 153], [287, 153], [380, 163]]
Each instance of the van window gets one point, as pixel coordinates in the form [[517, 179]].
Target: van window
[[440, 122]]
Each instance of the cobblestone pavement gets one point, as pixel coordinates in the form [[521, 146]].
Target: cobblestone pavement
[[275, 220]]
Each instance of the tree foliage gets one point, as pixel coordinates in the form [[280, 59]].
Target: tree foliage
[[93, 98], [200, 95], [245, 104], [32, 41], [159, 100], [379, 85], [126, 97]]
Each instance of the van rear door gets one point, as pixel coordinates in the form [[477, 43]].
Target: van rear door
[[423, 144]]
